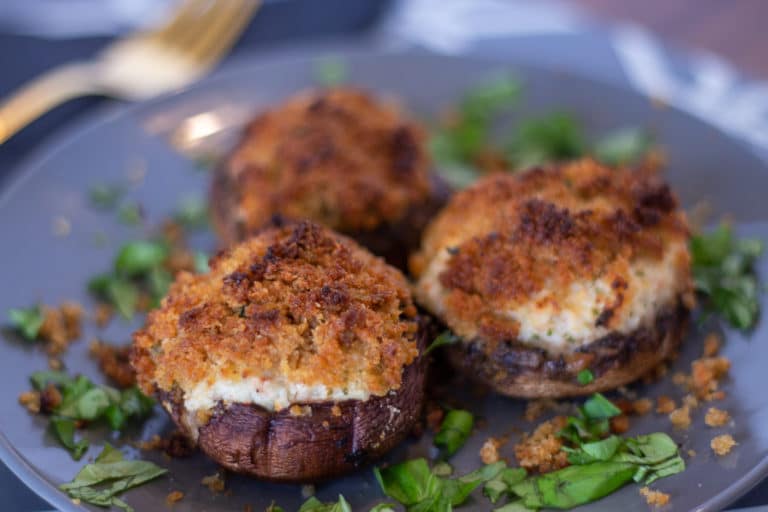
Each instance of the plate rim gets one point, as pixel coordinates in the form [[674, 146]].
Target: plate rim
[[247, 63]]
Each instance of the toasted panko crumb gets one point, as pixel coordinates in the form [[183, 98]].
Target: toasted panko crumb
[[54, 363], [716, 417], [541, 450], [175, 445], [706, 374], [489, 452], [642, 406], [173, 497], [711, 345], [722, 444], [681, 418], [690, 401], [114, 362], [691, 453], [214, 482], [61, 326], [665, 405], [102, 314], [654, 498], [620, 424], [31, 401]]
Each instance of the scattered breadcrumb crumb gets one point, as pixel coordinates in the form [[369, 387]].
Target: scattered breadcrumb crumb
[[620, 424], [654, 498], [691, 453], [61, 326], [722, 445], [61, 226], [50, 398], [681, 418], [76, 501], [665, 405], [690, 401], [214, 482], [706, 374], [175, 445], [31, 401], [642, 406], [716, 417], [173, 497], [711, 345], [102, 314], [54, 363], [336, 410], [489, 452], [114, 362], [541, 450]]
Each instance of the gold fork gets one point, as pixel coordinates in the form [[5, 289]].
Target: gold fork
[[139, 66]]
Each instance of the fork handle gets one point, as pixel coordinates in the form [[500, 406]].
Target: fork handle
[[44, 93]]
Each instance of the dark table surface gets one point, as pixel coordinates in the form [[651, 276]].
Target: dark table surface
[[733, 29]]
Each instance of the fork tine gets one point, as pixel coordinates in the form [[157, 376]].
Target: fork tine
[[185, 16], [223, 32]]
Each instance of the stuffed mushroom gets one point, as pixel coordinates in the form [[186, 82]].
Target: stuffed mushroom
[[339, 157], [296, 358], [558, 270]]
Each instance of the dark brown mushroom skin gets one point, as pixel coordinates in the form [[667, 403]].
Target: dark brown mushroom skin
[[335, 438], [519, 370], [392, 241]]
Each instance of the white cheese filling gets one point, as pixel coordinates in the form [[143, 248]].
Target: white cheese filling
[[561, 322], [272, 394]]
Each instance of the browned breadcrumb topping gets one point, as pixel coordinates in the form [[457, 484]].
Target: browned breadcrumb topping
[[297, 302], [691, 453], [541, 450], [173, 497], [706, 374], [489, 452], [54, 363], [722, 444], [716, 417], [654, 498], [338, 157], [642, 406], [114, 362], [619, 424], [175, 445], [61, 326], [214, 482], [712, 345], [665, 405], [690, 401], [31, 401], [681, 418], [508, 238], [50, 398], [102, 314]]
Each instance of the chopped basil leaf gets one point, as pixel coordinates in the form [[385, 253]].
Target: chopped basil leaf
[[130, 214], [383, 507], [585, 377], [100, 482], [514, 506], [444, 338], [105, 197], [624, 146], [597, 407], [41, 379], [192, 213], [454, 431], [315, 505], [119, 292], [442, 468], [64, 430], [139, 257], [201, 262], [92, 404], [723, 270], [499, 485], [159, 282], [552, 137], [330, 71], [27, 321]]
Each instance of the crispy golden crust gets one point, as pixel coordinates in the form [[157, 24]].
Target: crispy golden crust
[[509, 237], [298, 302], [336, 156]]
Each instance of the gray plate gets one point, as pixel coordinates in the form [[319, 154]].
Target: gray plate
[[38, 266]]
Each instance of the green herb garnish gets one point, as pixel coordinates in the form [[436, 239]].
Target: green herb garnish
[[137, 258], [130, 214], [84, 401], [105, 197], [192, 213], [330, 71], [454, 431], [101, 482], [624, 146], [201, 262], [444, 338], [27, 321], [315, 505], [552, 137], [723, 271], [120, 292], [585, 377]]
